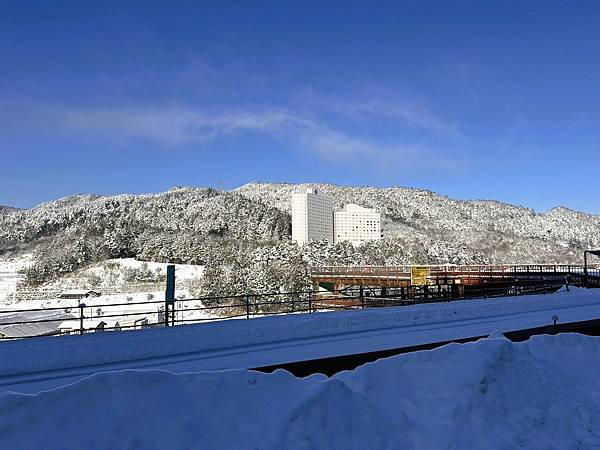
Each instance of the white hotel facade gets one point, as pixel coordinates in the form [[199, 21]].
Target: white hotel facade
[[356, 224], [313, 219]]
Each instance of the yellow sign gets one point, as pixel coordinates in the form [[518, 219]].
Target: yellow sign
[[418, 275]]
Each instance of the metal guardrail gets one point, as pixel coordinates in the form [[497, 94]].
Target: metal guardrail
[[449, 268], [503, 271], [120, 316], [181, 312]]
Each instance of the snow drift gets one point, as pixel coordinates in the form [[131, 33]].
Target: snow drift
[[33, 365], [491, 394]]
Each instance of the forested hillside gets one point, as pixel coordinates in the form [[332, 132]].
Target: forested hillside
[[457, 230], [243, 236], [6, 209], [191, 225]]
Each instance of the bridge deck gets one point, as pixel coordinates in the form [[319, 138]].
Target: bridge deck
[[400, 276]]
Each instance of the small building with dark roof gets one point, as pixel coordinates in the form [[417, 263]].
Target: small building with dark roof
[[78, 294]]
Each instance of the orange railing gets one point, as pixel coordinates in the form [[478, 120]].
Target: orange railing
[[436, 272]]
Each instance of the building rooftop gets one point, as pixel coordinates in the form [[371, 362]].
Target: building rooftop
[[351, 207], [79, 293], [32, 329]]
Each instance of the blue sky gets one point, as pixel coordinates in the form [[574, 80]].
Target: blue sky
[[495, 100]]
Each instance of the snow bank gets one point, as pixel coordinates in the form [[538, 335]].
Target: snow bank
[[63, 352], [492, 394]]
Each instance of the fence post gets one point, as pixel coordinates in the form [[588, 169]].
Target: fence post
[[585, 270], [362, 298], [247, 306], [170, 293], [166, 315], [81, 317]]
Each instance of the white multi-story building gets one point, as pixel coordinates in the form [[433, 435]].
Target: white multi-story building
[[312, 217], [357, 224]]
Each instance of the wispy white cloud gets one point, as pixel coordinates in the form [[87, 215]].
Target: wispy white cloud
[[312, 131], [401, 109], [172, 125], [407, 113]]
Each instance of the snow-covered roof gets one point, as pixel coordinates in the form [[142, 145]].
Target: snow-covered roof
[[29, 329], [79, 292], [32, 329]]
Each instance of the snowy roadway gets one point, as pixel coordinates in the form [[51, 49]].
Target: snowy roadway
[[34, 365]]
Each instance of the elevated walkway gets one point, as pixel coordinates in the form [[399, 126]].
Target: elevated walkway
[[404, 276]]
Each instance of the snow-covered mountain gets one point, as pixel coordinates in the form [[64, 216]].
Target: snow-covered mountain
[[6, 209], [427, 212], [482, 231], [182, 225], [243, 236]]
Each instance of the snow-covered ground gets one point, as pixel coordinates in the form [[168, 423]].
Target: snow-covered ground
[[141, 304], [115, 310], [10, 275], [32, 365], [184, 272], [126, 275], [113, 276], [491, 394]]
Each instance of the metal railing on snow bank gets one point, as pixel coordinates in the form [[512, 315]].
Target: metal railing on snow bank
[[96, 317]]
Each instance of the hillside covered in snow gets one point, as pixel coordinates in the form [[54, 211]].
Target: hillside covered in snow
[[489, 230], [242, 237], [182, 225]]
